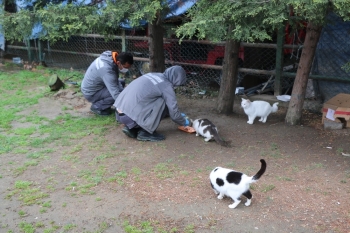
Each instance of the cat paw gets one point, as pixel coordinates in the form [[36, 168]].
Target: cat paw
[[248, 202], [220, 197], [234, 205], [249, 122]]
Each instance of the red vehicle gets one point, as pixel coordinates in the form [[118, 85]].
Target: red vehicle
[[194, 56]]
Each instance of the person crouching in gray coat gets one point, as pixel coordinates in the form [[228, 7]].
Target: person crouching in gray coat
[[101, 84], [147, 100]]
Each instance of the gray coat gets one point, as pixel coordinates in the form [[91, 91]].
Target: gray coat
[[102, 72], [145, 98]]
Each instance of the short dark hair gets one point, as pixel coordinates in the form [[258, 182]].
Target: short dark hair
[[125, 57]]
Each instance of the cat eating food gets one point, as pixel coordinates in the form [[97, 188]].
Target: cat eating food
[[258, 108], [227, 182], [208, 130]]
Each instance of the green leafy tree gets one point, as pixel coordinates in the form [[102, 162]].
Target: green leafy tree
[[233, 22], [314, 12], [252, 20], [60, 21]]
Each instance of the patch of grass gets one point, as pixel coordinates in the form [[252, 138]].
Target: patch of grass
[[119, 177], [164, 170], [103, 226], [25, 131], [274, 151], [26, 227], [28, 195], [39, 224], [284, 178], [189, 229], [72, 158], [142, 227], [136, 171], [267, 188], [47, 204], [185, 173], [315, 166], [102, 157], [22, 213], [68, 227], [43, 210]]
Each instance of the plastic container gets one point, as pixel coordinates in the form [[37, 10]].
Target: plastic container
[[17, 60], [239, 91]]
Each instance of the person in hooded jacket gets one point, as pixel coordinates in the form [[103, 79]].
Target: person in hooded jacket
[[147, 100], [101, 84]]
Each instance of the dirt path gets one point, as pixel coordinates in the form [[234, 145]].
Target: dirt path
[[305, 187]]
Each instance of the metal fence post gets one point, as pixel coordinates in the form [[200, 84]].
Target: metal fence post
[[279, 62], [123, 41]]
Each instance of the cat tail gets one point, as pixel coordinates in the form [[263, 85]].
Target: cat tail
[[261, 171], [220, 141], [275, 107]]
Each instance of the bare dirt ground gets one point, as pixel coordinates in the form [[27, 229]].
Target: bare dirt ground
[[305, 187]]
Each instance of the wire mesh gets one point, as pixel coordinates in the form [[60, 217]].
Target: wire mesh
[[202, 60]]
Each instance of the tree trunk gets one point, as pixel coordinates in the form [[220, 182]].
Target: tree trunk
[[156, 49], [229, 77], [296, 103]]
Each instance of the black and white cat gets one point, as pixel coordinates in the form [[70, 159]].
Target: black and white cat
[[258, 108], [227, 182], [208, 130]]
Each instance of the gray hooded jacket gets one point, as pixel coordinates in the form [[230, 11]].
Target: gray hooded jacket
[[145, 98], [102, 72]]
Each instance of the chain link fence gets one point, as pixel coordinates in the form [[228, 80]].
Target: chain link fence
[[202, 60]]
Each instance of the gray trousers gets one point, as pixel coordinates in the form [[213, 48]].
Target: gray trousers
[[130, 123], [102, 99]]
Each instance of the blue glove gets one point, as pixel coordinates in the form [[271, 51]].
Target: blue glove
[[187, 119]]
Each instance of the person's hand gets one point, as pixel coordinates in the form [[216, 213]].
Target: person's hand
[[188, 121]]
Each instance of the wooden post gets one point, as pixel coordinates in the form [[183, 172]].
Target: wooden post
[[123, 41], [279, 62]]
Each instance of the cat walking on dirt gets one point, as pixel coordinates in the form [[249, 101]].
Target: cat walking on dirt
[[227, 182], [208, 130], [258, 108]]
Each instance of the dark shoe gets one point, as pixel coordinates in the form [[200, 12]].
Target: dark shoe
[[104, 112], [132, 133], [143, 135]]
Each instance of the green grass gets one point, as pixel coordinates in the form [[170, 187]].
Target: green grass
[[26, 193], [17, 95]]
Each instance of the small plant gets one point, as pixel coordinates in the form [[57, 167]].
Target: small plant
[[69, 227], [189, 229], [43, 210], [27, 227], [22, 213], [143, 227], [39, 224], [47, 204]]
